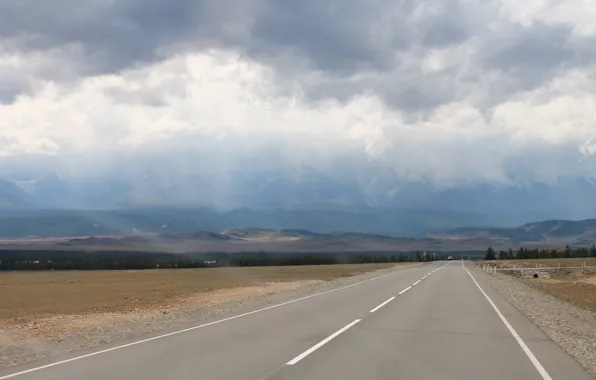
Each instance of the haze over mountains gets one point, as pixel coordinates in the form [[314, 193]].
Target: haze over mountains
[[305, 188], [52, 206]]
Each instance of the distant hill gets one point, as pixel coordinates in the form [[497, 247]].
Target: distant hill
[[250, 240], [550, 231]]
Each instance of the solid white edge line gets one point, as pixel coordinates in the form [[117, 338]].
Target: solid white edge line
[[519, 340], [402, 292], [321, 344], [193, 328], [416, 283], [383, 304]]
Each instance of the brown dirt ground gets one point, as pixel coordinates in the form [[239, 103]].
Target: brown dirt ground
[[576, 286], [579, 293], [22, 330], [29, 295], [36, 305]]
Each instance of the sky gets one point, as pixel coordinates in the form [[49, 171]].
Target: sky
[[450, 92]]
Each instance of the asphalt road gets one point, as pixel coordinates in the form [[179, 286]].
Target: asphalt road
[[434, 322]]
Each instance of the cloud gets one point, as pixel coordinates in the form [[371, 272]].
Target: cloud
[[575, 14], [13, 146], [448, 92], [588, 148]]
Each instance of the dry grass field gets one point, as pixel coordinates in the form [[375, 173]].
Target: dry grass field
[[30, 295], [575, 285]]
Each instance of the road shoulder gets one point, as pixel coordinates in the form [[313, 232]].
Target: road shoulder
[[547, 324]]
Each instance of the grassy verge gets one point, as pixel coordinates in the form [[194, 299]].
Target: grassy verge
[[28, 295]]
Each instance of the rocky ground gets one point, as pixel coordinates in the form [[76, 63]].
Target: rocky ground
[[572, 327]]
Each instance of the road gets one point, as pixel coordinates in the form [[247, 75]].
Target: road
[[439, 321]]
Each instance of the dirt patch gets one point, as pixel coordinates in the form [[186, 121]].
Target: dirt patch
[[579, 293], [32, 295], [576, 286], [21, 330], [566, 279], [590, 280]]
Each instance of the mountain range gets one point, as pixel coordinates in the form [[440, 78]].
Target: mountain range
[[152, 227], [249, 240], [546, 234], [550, 232], [29, 223], [379, 203]]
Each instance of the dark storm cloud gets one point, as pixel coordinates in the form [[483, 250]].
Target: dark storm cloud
[[444, 33], [338, 38], [538, 47], [332, 35], [113, 36], [335, 35], [9, 90], [529, 56]]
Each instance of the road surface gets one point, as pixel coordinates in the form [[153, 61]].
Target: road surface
[[438, 321]]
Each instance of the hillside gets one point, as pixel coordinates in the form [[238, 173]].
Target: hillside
[[249, 240], [550, 231], [12, 196]]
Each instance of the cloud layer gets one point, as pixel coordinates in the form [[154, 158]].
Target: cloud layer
[[450, 92]]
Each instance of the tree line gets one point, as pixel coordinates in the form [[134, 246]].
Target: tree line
[[11, 260], [82, 260], [523, 253]]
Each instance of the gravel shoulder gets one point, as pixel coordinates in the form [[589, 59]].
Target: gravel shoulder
[[57, 335], [571, 327]]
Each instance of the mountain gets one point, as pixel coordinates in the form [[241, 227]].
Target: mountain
[[12, 196], [53, 192], [550, 232], [72, 223], [374, 201]]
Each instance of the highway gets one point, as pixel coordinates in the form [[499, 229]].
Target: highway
[[438, 321]]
